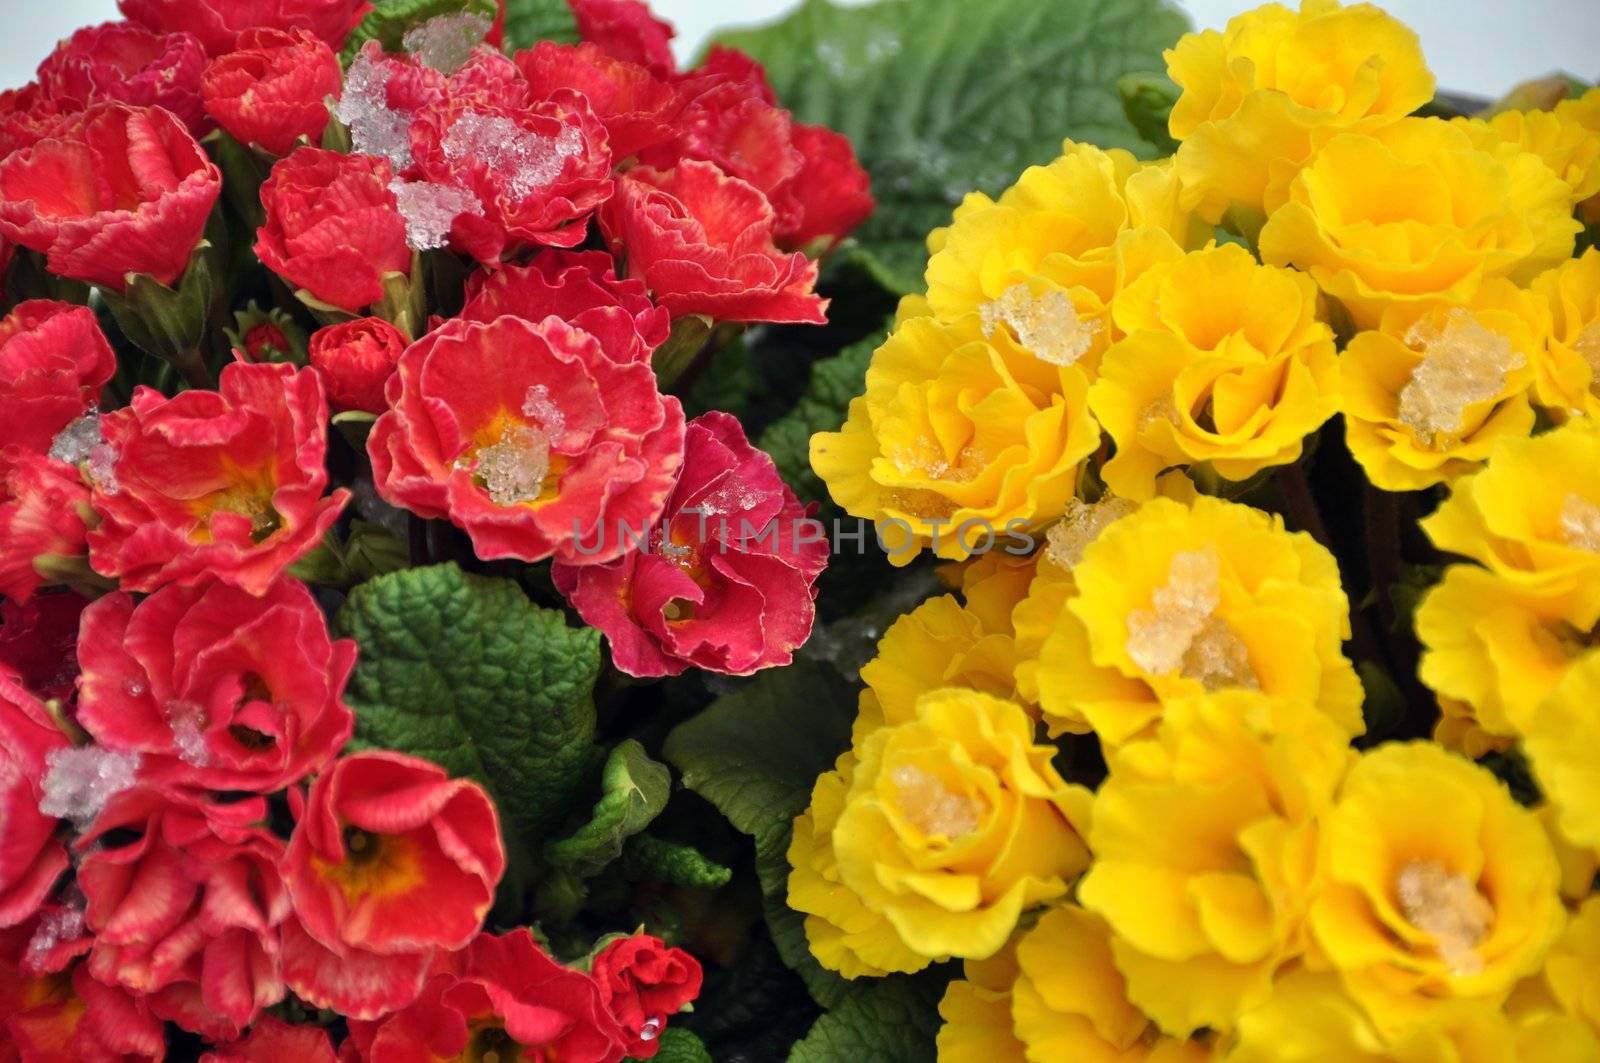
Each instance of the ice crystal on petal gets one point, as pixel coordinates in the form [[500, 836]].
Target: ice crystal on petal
[[1462, 363], [74, 443], [1164, 408], [923, 800], [526, 161], [102, 468], [430, 209], [514, 468], [1179, 633], [188, 722], [375, 128], [731, 498], [1081, 525], [651, 1028], [446, 42], [1448, 906], [1588, 348], [1216, 658], [1580, 523], [538, 405], [1047, 325], [80, 780], [55, 928]]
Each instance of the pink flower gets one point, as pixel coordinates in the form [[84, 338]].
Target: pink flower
[[54, 359], [272, 1040], [638, 109], [356, 359], [219, 23], [124, 61], [32, 857], [643, 983], [729, 587], [627, 30], [43, 504], [274, 89]]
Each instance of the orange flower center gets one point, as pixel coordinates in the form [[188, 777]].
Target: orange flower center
[[249, 494], [375, 866], [491, 1044]]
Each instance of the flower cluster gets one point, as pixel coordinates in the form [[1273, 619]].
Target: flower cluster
[[1134, 773], [476, 276]]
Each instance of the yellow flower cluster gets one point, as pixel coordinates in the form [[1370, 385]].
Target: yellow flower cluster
[[1123, 775]]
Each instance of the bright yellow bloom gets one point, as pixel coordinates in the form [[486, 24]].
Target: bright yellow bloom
[[1571, 150], [976, 1010], [1225, 362], [1532, 515], [1585, 110], [1417, 213], [948, 827], [1459, 731], [1258, 95], [1175, 601], [1431, 390], [1437, 886], [959, 438], [1571, 975], [991, 586], [1563, 746], [1205, 852], [1569, 373]]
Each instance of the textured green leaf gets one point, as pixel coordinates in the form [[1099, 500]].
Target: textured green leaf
[[531, 21], [755, 754], [944, 96], [892, 1020], [389, 20], [634, 790], [680, 1046], [1147, 100], [834, 382], [646, 858], [465, 671]]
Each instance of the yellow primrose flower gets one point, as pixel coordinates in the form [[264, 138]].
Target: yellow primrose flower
[[1224, 362], [1459, 731], [948, 827], [1205, 849], [992, 584], [1257, 94], [1417, 213], [1571, 975], [960, 439], [1585, 110], [1532, 514], [1498, 646], [1043, 262], [1563, 747], [1430, 391], [976, 1009], [1571, 150], [1177, 600], [1569, 373], [1579, 864], [1437, 886]]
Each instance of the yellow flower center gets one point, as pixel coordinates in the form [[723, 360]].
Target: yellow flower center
[[1450, 908], [1180, 632], [1081, 525], [1047, 325], [491, 1044], [1462, 363], [1580, 523], [375, 866], [927, 804], [249, 495], [513, 468]]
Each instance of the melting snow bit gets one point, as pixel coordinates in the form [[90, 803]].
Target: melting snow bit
[[1462, 363], [1449, 907], [513, 469], [526, 161], [430, 209], [188, 722], [1179, 634], [55, 927], [1580, 523], [538, 405], [445, 42], [375, 129], [80, 443], [1081, 525], [923, 800], [79, 781], [1048, 324]]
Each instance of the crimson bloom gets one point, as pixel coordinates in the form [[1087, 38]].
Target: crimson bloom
[[333, 227], [355, 359], [109, 192], [832, 193], [582, 289], [703, 243], [39, 641], [391, 861], [529, 437], [510, 996], [215, 688], [32, 856], [72, 1017], [26, 115], [54, 359], [273, 90], [125, 61], [219, 23], [271, 1040], [226, 483], [638, 109], [628, 30], [643, 983], [43, 504], [185, 912], [728, 587]]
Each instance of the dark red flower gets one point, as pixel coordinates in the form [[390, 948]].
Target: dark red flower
[[728, 587], [273, 90], [638, 109], [643, 983], [219, 23], [127, 62], [529, 437], [43, 506], [702, 243], [392, 860], [184, 900], [225, 483], [214, 688], [731, 65], [356, 358], [333, 227], [32, 856], [628, 30], [582, 289], [39, 640], [271, 1040], [54, 359], [832, 192], [265, 343], [109, 192], [74, 1018]]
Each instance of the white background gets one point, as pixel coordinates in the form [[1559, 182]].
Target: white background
[[1478, 46]]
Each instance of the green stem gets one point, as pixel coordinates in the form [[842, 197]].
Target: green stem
[[192, 367]]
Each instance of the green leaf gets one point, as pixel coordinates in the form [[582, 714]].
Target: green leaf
[[389, 20], [680, 1046], [465, 671], [944, 96], [646, 858], [755, 754], [834, 382], [634, 791], [888, 1021], [1147, 100], [530, 21]]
